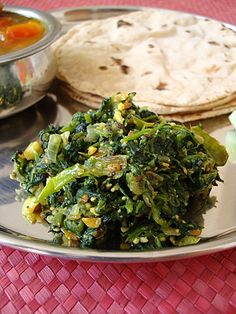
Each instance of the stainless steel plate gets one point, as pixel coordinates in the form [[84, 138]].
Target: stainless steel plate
[[17, 131]]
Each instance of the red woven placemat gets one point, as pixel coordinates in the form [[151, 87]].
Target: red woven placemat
[[30, 283]]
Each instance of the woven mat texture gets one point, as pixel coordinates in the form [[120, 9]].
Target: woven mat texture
[[30, 283]]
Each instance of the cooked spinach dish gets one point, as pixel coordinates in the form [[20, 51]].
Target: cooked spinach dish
[[120, 177]]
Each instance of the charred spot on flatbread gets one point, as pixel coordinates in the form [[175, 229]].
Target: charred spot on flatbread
[[146, 73], [212, 42], [212, 69], [103, 67], [162, 86], [122, 23], [117, 61], [124, 68]]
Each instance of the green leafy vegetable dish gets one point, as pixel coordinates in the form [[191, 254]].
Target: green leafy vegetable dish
[[120, 177]]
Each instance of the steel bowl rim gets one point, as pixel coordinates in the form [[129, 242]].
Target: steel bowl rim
[[53, 28]]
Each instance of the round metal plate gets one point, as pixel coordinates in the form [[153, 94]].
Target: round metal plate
[[17, 131]]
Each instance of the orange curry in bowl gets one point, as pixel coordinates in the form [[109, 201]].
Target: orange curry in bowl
[[18, 31]]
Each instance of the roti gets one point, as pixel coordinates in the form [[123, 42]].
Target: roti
[[94, 101], [188, 117], [178, 64]]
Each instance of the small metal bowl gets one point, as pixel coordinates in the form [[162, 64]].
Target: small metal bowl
[[31, 69]]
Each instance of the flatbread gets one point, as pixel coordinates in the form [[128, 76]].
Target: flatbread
[[90, 100], [200, 115], [169, 59], [94, 101]]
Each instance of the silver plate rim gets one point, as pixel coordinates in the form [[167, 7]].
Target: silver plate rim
[[43, 247]]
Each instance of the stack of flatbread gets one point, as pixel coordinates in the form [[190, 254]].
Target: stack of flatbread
[[181, 66]]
